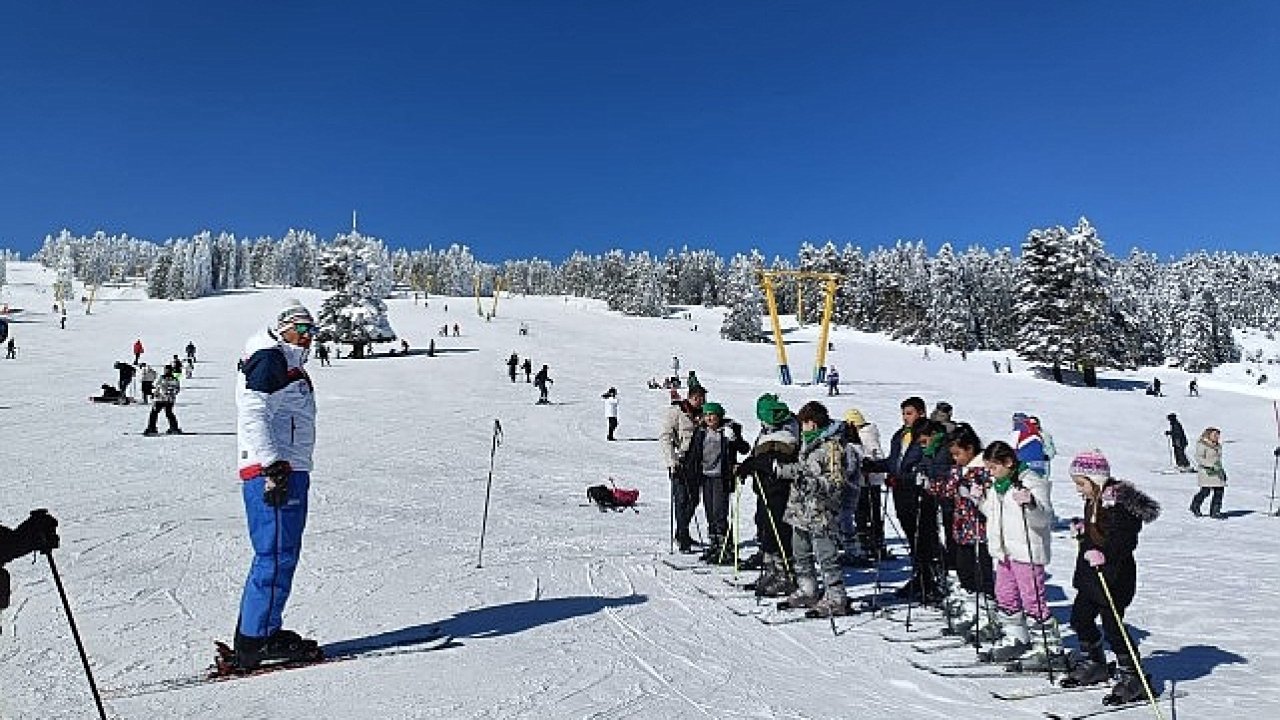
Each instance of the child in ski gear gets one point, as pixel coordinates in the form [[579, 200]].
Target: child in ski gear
[[674, 437], [1178, 439], [1019, 516], [869, 514], [276, 441], [148, 376], [38, 533], [1114, 513], [527, 368], [191, 350], [817, 483], [1030, 446], [972, 562], [833, 381], [708, 466], [541, 381], [900, 466], [137, 350], [935, 467], [610, 405], [1046, 444], [851, 551], [777, 442], [1210, 475], [166, 392]]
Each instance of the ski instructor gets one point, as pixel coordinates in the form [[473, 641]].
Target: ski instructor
[[275, 435]]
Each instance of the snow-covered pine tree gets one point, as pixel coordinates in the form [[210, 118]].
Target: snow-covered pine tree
[[644, 294], [355, 268], [1197, 347], [1086, 300], [949, 322], [1043, 286], [746, 302]]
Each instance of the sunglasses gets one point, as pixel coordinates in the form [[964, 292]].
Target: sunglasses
[[304, 328]]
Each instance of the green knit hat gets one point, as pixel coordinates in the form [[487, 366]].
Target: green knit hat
[[770, 410], [712, 408]]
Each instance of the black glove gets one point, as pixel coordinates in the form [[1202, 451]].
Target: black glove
[[38, 533], [276, 487], [747, 467], [4, 590], [1277, 452], [868, 465]]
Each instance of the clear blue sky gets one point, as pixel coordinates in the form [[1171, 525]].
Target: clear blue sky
[[536, 127]]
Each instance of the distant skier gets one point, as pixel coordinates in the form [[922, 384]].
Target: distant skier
[[995, 365], [527, 368], [1008, 365], [1154, 389], [675, 366], [191, 351], [1178, 439], [166, 393], [10, 350], [541, 381], [137, 350], [1193, 388], [276, 439], [456, 331], [148, 376], [833, 381], [189, 368], [322, 353], [610, 405], [513, 363]]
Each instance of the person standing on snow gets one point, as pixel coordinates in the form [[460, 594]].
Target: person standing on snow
[[904, 456], [1211, 477], [541, 381], [610, 406], [817, 485], [191, 351], [148, 377], [527, 368], [1178, 439], [275, 434], [1027, 442], [137, 350], [708, 466], [166, 392], [869, 512], [833, 381], [777, 442], [513, 363], [674, 438], [1114, 513]]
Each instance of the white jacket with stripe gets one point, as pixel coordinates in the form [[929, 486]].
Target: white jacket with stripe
[[275, 406]]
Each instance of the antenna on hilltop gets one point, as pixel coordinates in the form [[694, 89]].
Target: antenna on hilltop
[[353, 221]]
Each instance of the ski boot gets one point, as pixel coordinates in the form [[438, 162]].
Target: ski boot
[[1045, 651], [755, 562], [1128, 687], [1092, 668], [1014, 640], [805, 595], [774, 580], [282, 646], [834, 603]]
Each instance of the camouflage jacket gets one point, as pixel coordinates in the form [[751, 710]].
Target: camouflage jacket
[[817, 482]]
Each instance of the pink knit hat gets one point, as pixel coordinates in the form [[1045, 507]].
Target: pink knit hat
[[1093, 465]]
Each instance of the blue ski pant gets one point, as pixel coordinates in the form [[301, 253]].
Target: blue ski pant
[[276, 536]]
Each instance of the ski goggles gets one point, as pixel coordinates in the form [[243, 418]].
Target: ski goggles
[[304, 329]]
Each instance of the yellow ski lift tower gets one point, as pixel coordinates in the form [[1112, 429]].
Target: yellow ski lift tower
[[493, 307], [831, 280]]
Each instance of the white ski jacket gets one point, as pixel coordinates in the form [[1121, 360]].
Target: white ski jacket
[[276, 408], [1006, 534]]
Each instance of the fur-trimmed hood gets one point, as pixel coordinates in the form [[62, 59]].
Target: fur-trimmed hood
[[1126, 495]]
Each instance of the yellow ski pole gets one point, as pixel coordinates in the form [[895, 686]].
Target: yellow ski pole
[[1129, 644]]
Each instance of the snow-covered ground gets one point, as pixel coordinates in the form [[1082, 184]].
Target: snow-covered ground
[[574, 613]]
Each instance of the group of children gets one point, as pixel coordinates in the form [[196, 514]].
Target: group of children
[[977, 519]]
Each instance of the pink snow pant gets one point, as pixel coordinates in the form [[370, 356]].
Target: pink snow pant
[[1020, 587]]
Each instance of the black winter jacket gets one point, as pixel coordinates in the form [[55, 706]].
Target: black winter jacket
[[691, 463], [1112, 524]]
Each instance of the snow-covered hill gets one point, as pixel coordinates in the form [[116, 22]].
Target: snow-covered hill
[[573, 614]]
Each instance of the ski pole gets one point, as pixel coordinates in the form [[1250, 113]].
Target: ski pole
[[1040, 594], [915, 562], [75, 631], [671, 550], [1128, 642], [777, 537], [1275, 407], [484, 522]]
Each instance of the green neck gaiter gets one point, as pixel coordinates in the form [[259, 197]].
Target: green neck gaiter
[[811, 435]]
